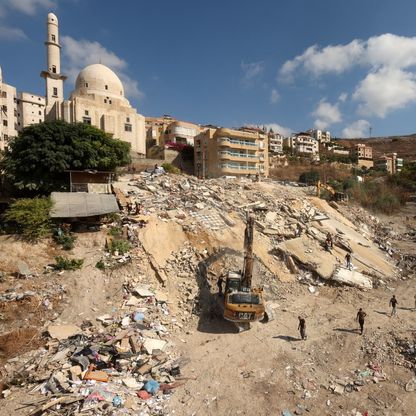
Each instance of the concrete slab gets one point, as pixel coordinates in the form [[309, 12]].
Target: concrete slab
[[63, 331], [352, 278]]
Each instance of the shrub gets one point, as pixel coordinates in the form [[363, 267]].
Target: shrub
[[170, 168], [31, 217], [115, 231], [63, 263], [120, 246], [378, 196], [66, 240], [310, 177], [100, 265]]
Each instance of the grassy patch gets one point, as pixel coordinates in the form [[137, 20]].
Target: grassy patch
[[119, 246], [63, 263]]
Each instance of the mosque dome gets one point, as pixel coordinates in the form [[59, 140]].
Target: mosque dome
[[99, 79]]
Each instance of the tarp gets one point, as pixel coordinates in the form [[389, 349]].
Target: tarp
[[82, 204]]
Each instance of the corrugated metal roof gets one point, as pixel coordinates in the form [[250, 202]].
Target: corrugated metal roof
[[82, 204]]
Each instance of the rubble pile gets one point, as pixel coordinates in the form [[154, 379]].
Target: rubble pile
[[123, 364]]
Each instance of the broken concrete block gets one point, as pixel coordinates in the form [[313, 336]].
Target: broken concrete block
[[151, 345], [143, 291], [352, 278], [63, 331], [132, 383]]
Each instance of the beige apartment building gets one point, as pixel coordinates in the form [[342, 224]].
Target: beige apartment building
[[389, 163], [30, 109], [303, 144], [223, 151], [275, 143], [363, 154], [165, 129], [8, 113]]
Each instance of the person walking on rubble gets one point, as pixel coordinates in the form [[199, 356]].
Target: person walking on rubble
[[329, 240], [302, 327], [393, 303], [360, 318], [415, 302], [348, 261]]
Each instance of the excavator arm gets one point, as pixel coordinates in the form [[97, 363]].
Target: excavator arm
[[248, 254]]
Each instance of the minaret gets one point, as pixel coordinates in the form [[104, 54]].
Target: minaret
[[54, 78]]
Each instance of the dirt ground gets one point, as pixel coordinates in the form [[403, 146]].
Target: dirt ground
[[263, 371]]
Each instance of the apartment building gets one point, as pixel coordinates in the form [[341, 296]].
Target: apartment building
[[8, 113], [303, 144], [363, 154], [389, 163], [320, 135], [223, 151], [275, 143], [30, 109]]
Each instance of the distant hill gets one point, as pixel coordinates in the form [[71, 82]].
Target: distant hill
[[404, 146]]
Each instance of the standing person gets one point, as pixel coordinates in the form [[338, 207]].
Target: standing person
[[360, 318], [329, 240], [348, 261], [302, 327], [415, 302], [393, 303], [220, 281]]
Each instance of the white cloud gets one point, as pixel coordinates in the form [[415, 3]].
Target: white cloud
[[80, 53], [358, 129], [326, 114], [277, 128], [385, 90], [274, 96], [390, 82], [11, 33], [30, 6], [343, 97], [331, 59], [251, 71]]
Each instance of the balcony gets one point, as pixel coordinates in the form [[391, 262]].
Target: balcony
[[238, 156], [236, 143], [238, 169]]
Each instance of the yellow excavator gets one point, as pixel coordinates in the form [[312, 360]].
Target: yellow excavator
[[337, 196], [243, 303]]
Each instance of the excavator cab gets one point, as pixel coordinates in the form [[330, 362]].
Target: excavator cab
[[243, 303]]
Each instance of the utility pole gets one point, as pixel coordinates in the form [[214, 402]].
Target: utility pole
[[370, 129]]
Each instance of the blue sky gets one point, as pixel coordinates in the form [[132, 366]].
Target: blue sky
[[337, 65]]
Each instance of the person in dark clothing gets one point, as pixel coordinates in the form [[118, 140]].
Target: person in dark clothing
[[220, 281], [302, 327], [393, 304], [360, 318], [348, 261], [329, 241]]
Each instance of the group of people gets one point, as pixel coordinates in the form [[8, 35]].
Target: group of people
[[360, 318], [329, 245]]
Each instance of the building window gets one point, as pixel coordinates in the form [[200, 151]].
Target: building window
[[109, 102], [5, 123], [40, 113], [87, 113], [54, 69], [128, 119], [86, 85], [106, 87], [55, 92], [4, 94], [53, 38], [86, 120], [127, 127], [6, 138], [4, 108], [40, 121], [105, 100]]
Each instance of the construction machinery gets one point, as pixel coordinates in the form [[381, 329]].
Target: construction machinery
[[242, 302], [337, 196]]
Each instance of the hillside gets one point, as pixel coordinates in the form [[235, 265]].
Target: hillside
[[404, 146]]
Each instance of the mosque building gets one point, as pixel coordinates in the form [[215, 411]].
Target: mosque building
[[98, 99]]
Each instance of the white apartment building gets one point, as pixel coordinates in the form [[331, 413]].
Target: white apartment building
[[275, 143], [320, 135], [303, 144], [30, 109]]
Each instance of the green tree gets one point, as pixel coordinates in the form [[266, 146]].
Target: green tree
[[37, 159], [310, 177]]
